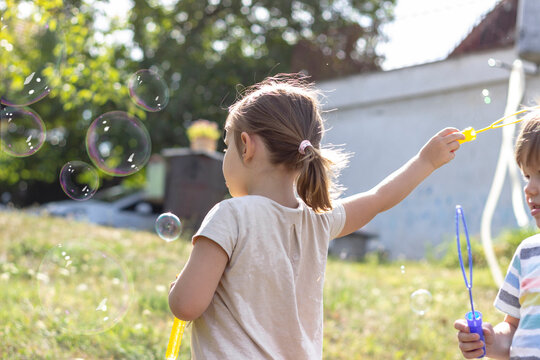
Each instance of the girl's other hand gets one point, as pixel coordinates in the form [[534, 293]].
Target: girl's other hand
[[172, 284]]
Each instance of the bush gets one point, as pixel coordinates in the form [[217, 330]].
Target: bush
[[508, 241], [504, 246], [450, 257]]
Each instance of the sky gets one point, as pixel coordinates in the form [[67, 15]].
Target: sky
[[423, 30], [428, 30]]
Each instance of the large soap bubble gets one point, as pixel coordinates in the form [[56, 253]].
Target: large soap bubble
[[22, 132], [79, 180], [118, 143], [148, 90], [82, 288], [32, 50]]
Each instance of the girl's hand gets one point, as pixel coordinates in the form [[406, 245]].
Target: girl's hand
[[469, 343], [440, 148], [172, 284]]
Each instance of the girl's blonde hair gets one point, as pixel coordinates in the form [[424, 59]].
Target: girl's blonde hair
[[284, 110], [527, 149]]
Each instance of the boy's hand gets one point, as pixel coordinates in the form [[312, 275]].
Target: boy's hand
[[440, 148], [469, 343]]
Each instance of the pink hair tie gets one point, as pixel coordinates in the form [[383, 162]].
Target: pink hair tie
[[303, 145]]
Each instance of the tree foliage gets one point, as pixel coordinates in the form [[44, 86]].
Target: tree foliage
[[203, 49]]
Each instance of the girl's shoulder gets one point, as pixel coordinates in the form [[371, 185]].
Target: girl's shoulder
[[242, 202], [240, 206], [255, 202]]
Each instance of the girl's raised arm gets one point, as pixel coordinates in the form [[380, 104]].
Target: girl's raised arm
[[363, 207]]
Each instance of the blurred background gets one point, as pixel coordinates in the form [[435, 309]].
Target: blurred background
[[157, 68]]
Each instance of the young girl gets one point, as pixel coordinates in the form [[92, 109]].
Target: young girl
[[253, 284], [518, 335]]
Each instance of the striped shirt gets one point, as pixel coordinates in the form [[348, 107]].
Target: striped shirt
[[519, 297]]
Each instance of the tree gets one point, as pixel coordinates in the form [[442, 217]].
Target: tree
[[207, 48], [203, 49], [87, 81]]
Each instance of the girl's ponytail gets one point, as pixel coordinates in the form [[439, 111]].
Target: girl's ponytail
[[316, 182]]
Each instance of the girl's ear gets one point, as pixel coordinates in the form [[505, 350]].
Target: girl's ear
[[248, 146]]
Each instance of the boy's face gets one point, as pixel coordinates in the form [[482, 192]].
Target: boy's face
[[531, 172]]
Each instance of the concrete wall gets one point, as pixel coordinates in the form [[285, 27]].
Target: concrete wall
[[385, 118]]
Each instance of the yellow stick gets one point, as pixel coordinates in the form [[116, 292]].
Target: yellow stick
[[470, 132], [495, 126], [175, 339]]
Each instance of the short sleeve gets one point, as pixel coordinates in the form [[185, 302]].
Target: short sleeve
[[507, 299], [336, 219], [221, 226]]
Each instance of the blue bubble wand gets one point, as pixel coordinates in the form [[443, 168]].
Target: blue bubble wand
[[474, 322]]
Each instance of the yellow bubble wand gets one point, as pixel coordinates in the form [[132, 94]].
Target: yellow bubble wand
[[175, 340], [470, 133]]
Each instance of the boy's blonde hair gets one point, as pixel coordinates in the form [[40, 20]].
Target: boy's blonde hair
[[284, 110], [527, 149]]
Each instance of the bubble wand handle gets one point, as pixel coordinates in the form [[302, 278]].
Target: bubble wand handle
[[474, 318], [175, 340]]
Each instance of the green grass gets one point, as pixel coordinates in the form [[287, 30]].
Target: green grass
[[368, 312]]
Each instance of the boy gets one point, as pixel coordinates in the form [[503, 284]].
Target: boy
[[517, 337]]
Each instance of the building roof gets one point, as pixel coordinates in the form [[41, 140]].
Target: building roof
[[496, 30]]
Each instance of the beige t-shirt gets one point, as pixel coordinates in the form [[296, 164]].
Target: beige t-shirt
[[269, 301]]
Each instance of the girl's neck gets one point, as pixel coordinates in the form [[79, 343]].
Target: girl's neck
[[275, 185], [265, 178]]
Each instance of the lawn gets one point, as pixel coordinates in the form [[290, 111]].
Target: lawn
[[368, 309]]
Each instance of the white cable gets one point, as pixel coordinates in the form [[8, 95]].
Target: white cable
[[514, 100], [516, 89]]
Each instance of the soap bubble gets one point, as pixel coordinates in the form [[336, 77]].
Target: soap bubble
[[421, 301], [118, 143], [148, 90], [22, 132], [487, 98], [82, 288], [32, 50], [168, 226], [402, 269], [79, 180]]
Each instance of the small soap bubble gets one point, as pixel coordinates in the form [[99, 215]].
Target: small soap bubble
[[82, 288], [118, 144], [22, 132], [493, 62], [28, 32], [168, 226], [79, 180], [148, 90], [487, 98], [421, 301]]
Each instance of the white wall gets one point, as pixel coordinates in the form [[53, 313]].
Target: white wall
[[386, 117]]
